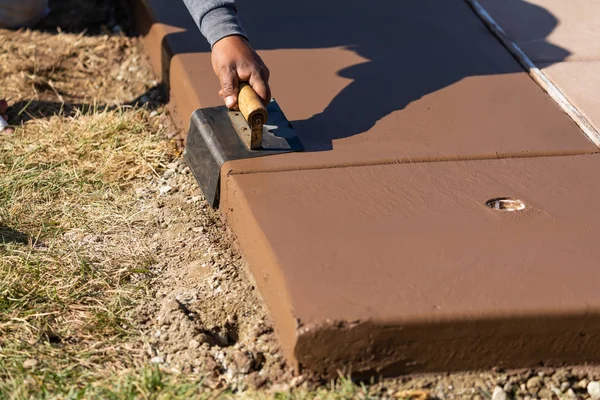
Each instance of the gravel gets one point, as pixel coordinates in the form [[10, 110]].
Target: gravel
[[499, 394], [593, 389]]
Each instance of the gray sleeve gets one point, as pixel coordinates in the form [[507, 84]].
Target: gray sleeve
[[215, 18]]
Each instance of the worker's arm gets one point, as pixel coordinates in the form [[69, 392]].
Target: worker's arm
[[233, 58]]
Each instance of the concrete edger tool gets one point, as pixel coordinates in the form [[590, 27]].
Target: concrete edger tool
[[217, 135]]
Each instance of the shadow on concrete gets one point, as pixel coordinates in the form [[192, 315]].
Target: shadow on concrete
[[414, 48]]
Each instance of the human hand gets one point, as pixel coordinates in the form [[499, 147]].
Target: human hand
[[235, 61]]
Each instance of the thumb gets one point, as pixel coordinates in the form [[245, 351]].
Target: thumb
[[229, 87]]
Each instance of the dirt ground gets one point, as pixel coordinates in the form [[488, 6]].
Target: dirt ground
[[117, 280], [206, 317]]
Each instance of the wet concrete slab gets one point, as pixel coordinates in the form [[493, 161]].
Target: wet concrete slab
[[550, 30], [580, 83], [403, 268], [406, 81]]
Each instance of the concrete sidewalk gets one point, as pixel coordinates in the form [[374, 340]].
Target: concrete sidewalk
[[375, 250]]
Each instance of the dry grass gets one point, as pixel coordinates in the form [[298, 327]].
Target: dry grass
[[65, 184], [46, 74], [70, 266], [71, 67]]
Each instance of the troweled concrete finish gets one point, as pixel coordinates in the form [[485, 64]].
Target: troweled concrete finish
[[400, 267], [550, 30], [416, 80], [404, 268]]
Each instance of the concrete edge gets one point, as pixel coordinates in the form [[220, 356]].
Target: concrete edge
[[390, 349]]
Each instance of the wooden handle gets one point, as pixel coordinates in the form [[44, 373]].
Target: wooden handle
[[254, 111]]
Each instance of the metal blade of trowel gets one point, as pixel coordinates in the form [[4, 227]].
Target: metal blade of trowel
[[217, 135]]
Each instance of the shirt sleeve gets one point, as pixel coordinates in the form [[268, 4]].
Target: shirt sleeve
[[216, 19]]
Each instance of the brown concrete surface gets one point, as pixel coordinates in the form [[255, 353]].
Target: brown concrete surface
[[418, 80], [550, 30], [580, 82], [404, 268]]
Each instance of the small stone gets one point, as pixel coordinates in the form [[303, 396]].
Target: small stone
[[509, 387], [545, 393], [583, 384], [534, 384], [193, 344], [571, 394], [564, 386], [593, 388], [153, 114], [498, 394], [140, 192], [165, 189], [157, 360], [30, 363], [241, 362], [204, 338], [172, 305], [561, 376], [255, 381]]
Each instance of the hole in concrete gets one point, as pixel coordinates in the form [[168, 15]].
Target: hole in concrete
[[505, 204]]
